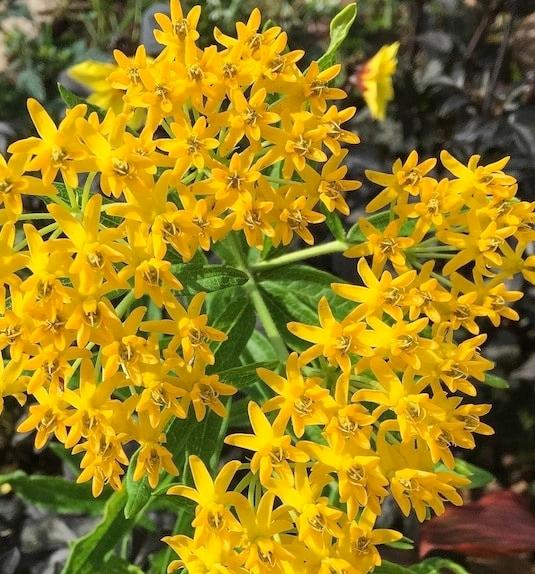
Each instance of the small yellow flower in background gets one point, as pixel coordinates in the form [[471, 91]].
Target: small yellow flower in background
[[375, 80]]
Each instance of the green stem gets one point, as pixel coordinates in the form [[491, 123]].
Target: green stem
[[281, 181], [72, 198], [87, 188], [417, 265], [21, 244], [251, 288], [167, 127], [307, 253], [32, 216], [56, 199], [264, 315]]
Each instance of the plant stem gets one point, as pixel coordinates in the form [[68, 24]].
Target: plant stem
[[266, 319], [72, 198], [21, 244], [32, 216], [251, 288], [307, 253], [87, 188]]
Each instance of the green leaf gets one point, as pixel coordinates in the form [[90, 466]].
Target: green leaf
[[299, 289], [496, 382], [334, 223], [340, 26], [259, 348], [207, 278], [391, 568], [55, 493], [62, 193], [88, 554], [403, 544], [138, 491], [478, 477], [116, 565], [71, 99], [238, 321], [438, 566], [244, 376]]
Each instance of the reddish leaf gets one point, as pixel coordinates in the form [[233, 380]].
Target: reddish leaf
[[500, 523]]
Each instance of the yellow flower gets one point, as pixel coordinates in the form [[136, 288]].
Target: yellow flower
[[95, 76], [407, 178], [47, 417], [360, 541], [386, 245], [272, 448], [377, 295], [211, 496], [12, 383], [57, 148], [303, 401], [336, 341], [375, 80], [360, 480], [14, 184]]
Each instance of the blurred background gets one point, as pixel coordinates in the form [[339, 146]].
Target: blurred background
[[465, 81]]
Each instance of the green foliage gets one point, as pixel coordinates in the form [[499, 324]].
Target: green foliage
[[207, 278], [496, 382], [55, 493], [334, 223], [340, 26], [138, 491], [478, 477], [428, 566], [238, 321], [88, 554]]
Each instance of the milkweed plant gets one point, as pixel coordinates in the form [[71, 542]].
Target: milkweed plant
[[155, 308]]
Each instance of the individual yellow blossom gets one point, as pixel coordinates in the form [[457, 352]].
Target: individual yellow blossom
[[211, 496], [386, 245], [271, 446], [55, 150], [332, 339], [406, 179], [95, 76], [375, 80], [303, 401]]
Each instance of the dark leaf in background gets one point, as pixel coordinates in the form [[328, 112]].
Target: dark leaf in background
[[500, 523]]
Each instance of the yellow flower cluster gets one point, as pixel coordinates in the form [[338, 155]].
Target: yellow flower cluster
[[235, 138], [373, 408]]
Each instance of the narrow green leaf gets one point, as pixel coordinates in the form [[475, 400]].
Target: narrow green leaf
[[334, 223], [244, 376], [116, 565], [238, 321], [56, 493], [196, 278], [438, 566], [88, 553], [340, 26], [496, 382], [299, 290], [138, 491], [71, 99], [478, 477], [391, 568], [259, 348]]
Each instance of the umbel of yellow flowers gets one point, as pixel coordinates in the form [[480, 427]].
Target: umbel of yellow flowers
[[236, 138]]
